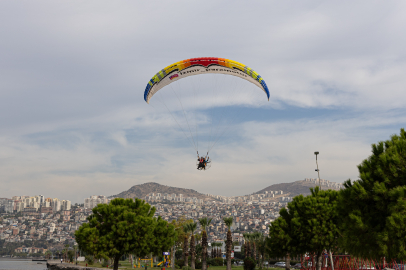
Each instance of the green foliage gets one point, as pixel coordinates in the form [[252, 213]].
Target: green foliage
[[228, 221], [71, 255], [204, 222], [105, 263], [198, 250], [180, 263], [186, 268], [123, 227], [215, 262], [178, 255], [192, 228], [89, 259], [310, 224], [198, 265], [249, 263], [374, 207], [180, 234]]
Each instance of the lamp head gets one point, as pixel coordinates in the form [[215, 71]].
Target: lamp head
[[316, 153]]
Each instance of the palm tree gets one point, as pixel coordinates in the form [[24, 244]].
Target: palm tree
[[204, 222], [48, 254], [255, 238], [261, 246], [245, 235], [192, 227], [229, 243], [213, 251], [217, 252], [186, 230], [65, 253], [248, 238]]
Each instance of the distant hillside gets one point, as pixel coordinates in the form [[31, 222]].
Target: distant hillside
[[300, 187], [140, 191]]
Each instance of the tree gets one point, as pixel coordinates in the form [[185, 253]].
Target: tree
[[215, 246], [214, 250], [48, 254], [179, 239], [65, 252], [282, 239], [71, 255], [310, 224], [255, 239], [246, 246], [248, 238], [186, 230], [261, 248], [192, 228], [204, 222], [123, 227], [374, 207], [229, 243]]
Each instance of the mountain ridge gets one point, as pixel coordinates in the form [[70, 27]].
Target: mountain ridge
[[288, 189], [142, 190]]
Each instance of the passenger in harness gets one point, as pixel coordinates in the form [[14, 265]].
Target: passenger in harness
[[202, 162]]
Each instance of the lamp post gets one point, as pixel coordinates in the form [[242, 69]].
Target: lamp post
[[317, 170]]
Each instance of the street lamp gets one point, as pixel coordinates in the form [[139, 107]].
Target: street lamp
[[317, 170]]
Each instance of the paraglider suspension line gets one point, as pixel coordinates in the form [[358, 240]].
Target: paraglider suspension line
[[184, 114]]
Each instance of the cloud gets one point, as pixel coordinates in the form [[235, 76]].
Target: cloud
[[73, 121]]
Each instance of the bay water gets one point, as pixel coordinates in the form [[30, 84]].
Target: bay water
[[22, 265]]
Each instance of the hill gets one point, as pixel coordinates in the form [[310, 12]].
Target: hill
[[300, 187], [140, 191]]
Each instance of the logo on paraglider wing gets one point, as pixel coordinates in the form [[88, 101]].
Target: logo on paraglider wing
[[173, 76]]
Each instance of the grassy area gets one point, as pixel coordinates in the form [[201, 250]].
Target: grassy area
[[123, 265], [126, 265]]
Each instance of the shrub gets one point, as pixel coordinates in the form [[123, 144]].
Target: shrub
[[249, 264], [186, 268], [198, 265], [179, 264], [89, 259], [105, 263], [215, 262]]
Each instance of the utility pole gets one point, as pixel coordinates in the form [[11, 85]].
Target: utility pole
[[317, 170], [330, 254]]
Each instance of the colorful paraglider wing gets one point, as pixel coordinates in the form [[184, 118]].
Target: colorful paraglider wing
[[196, 66]]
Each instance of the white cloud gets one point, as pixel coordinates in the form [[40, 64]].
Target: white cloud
[[73, 121]]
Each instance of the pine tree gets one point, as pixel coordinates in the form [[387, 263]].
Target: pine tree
[[374, 207], [310, 224]]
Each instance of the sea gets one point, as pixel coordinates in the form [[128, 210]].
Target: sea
[[22, 265]]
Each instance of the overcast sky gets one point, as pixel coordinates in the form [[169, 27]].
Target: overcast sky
[[73, 122]]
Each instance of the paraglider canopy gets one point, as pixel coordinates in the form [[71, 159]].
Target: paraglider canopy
[[202, 65]]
